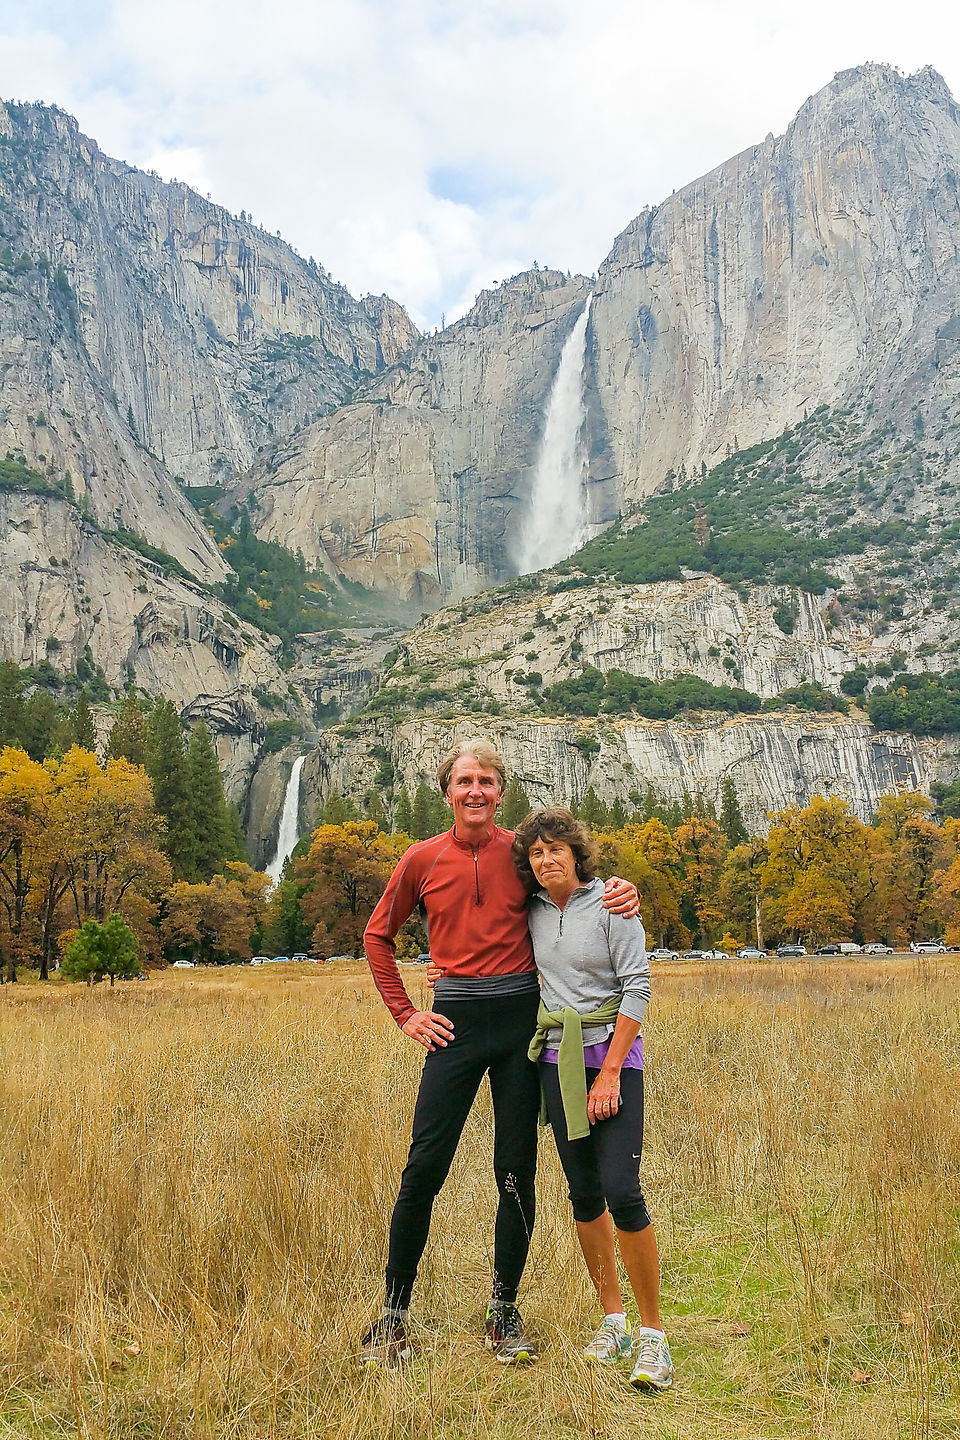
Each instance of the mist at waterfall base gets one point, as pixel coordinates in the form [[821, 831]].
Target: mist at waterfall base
[[556, 522], [289, 822]]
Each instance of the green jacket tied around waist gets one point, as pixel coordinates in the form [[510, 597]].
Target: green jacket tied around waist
[[571, 1071]]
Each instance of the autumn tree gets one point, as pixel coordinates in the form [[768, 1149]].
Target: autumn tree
[[818, 874], [646, 855], [740, 891], [24, 792], [702, 847], [343, 875], [212, 921], [911, 849]]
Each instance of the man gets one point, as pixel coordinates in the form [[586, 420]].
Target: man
[[476, 911]]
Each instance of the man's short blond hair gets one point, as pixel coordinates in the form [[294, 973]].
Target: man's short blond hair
[[481, 750]]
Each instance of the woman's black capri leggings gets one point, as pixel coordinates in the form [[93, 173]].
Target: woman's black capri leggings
[[602, 1169]]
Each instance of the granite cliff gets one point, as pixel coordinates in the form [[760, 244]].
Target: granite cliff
[[818, 268], [802, 299]]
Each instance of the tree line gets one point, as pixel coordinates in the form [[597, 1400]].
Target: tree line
[[819, 874]]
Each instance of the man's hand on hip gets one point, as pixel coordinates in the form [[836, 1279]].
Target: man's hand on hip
[[621, 897], [429, 1029]]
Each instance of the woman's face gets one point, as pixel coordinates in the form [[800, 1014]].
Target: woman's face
[[554, 865]]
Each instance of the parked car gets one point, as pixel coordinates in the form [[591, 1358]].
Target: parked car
[[791, 952], [281, 960], [875, 947], [847, 947], [928, 947], [750, 952], [827, 950], [695, 955], [338, 957], [717, 954], [184, 965], [661, 954], [299, 956], [260, 960]]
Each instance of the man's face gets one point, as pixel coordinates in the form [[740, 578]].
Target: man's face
[[474, 792]]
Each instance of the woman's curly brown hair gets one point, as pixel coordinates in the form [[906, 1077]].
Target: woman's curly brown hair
[[554, 823]]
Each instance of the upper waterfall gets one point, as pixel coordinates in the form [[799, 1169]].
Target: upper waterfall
[[289, 822], [556, 522]]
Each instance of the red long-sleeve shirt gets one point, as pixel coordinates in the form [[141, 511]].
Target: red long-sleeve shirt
[[476, 913]]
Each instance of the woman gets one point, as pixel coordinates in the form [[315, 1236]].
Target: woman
[[595, 984]]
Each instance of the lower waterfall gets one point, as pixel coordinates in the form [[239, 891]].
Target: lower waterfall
[[289, 832]]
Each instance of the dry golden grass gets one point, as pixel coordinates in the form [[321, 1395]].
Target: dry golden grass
[[196, 1174]]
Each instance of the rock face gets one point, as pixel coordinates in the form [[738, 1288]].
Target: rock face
[[211, 336], [815, 267], [63, 581], [816, 264], [414, 487], [698, 626], [773, 760]]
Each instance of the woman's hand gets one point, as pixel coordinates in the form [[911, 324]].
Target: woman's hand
[[429, 1029], [621, 897], [604, 1097]]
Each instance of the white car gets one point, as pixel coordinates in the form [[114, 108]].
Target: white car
[[661, 954], [184, 965], [750, 952], [260, 960], [928, 947], [876, 948]]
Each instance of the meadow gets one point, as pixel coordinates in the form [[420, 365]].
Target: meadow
[[196, 1173]]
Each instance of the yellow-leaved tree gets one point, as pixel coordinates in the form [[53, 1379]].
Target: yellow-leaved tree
[[343, 875], [818, 875]]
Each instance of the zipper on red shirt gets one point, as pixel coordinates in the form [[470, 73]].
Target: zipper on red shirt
[[476, 873]]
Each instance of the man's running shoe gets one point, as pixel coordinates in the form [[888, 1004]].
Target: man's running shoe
[[654, 1368], [609, 1345], [385, 1343], [506, 1336]]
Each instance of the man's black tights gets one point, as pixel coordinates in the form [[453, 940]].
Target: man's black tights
[[490, 1035]]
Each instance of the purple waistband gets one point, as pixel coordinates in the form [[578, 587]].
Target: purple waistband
[[594, 1055]]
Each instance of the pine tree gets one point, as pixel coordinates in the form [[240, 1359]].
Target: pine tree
[[515, 805], [11, 703], [337, 811], [731, 816], [617, 815], [40, 725], [209, 805], [403, 813], [129, 736], [81, 723], [236, 840], [376, 811], [423, 813], [592, 810], [168, 769]]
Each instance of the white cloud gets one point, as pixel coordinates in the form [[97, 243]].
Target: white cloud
[[427, 147]]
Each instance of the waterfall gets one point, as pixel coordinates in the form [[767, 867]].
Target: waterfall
[[289, 821], [556, 523]]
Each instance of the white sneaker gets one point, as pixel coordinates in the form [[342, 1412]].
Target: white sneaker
[[609, 1344], [653, 1367]]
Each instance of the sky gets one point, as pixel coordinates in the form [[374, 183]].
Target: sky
[[428, 148]]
